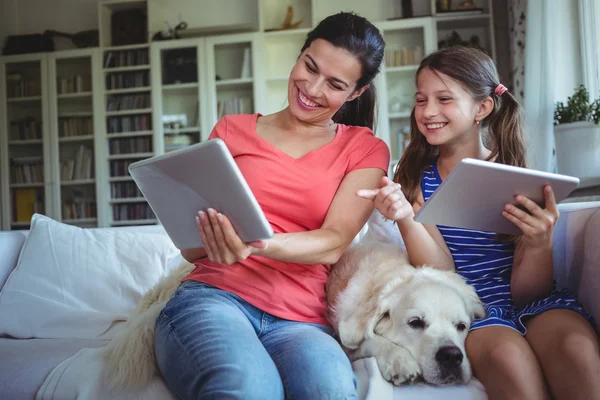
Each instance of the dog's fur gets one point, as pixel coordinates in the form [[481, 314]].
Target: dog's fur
[[414, 321], [130, 361], [373, 295]]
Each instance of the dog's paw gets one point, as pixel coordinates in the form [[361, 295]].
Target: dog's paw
[[398, 366]]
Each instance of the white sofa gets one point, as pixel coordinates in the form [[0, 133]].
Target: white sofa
[[26, 363]]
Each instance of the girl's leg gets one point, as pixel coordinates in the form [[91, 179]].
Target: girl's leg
[[311, 362], [567, 348], [207, 348], [504, 362]]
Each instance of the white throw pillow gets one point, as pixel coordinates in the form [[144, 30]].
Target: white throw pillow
[[74, 282]]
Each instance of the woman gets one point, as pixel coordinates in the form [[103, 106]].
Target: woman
[[249, 322]]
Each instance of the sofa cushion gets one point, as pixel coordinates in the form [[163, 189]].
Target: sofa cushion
[[25, 364], [74, 282]]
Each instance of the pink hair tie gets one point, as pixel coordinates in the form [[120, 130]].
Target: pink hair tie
[[500, 89]]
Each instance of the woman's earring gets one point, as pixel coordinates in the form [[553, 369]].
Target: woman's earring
[[477, 121]]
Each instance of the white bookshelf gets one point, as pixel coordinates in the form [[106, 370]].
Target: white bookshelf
[[230, 62], [179, 93], [24, 140], [131, 85], [75, 112]]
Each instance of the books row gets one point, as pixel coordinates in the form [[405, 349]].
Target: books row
[[69, 127], [18, 85], [79, 208], [235, 105], [78, 168], [124, 190], [118, 168], [27, 170], [130, 145], [74, 84], [128, 102], [132, 212], [126, 80], [126, 58], [27, 128], [133, 123]]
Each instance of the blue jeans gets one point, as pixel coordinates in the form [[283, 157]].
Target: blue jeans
[[211, 344]]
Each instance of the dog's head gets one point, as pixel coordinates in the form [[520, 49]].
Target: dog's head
[[430, 313]]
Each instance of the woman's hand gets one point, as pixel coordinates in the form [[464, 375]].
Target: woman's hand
[[221, 242], [389, 200], [537, 224]]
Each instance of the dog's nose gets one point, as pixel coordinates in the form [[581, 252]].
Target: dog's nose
[[449, 356]]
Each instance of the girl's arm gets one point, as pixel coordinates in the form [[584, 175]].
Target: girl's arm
[[346, 216], [424, 243], [533, 272]]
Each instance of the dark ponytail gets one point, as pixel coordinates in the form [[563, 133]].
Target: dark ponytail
[[361, 111], [505, 131], [362, 39]]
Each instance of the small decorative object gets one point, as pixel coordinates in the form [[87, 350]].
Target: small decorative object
[[407, 9], [129, 27], [81, 39], [455, 40], [170, 33], [577, 135], [466, 5], [444, 5], [287, 21]]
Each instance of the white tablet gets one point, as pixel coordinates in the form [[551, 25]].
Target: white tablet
[[474, 195], [179, 184]]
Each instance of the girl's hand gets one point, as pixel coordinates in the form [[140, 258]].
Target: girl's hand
[[389, 200], [538, 224], [221, 242]]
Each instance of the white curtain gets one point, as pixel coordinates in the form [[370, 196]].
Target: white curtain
[[539, 82]]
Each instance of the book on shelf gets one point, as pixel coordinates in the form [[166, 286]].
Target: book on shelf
[[27, 170], [132, 212], [129, 123], [75, 126], [127, 80], [18, 85], [235, 105], [26, 203], [130, 145], [79, 207], [74, 84], [126, 58], [78, 168], [124, 190], [127, 102], [27, 128]]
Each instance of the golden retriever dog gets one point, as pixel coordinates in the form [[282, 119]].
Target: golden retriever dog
[[130, 361], [414, 321]]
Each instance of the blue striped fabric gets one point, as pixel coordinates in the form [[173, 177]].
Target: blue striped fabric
[[486, 265]]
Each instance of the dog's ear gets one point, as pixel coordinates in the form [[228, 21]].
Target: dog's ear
[[474, 305], [381, 320]]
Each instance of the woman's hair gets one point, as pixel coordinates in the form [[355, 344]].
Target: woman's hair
[[360, 38], [476, 73]]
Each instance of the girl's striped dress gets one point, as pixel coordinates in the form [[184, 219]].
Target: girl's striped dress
[[486, 265]]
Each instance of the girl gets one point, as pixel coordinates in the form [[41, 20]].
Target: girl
[[535, 340], [249, 321]]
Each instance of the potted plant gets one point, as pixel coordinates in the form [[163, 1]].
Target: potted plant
[[577, 135]]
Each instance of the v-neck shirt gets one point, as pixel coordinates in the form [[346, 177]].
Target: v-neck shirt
[[295, 194]]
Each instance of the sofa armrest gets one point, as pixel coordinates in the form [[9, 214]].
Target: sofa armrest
[[576, 254]]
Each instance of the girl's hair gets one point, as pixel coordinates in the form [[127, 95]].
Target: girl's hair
[[475, 72], [360, 38]]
